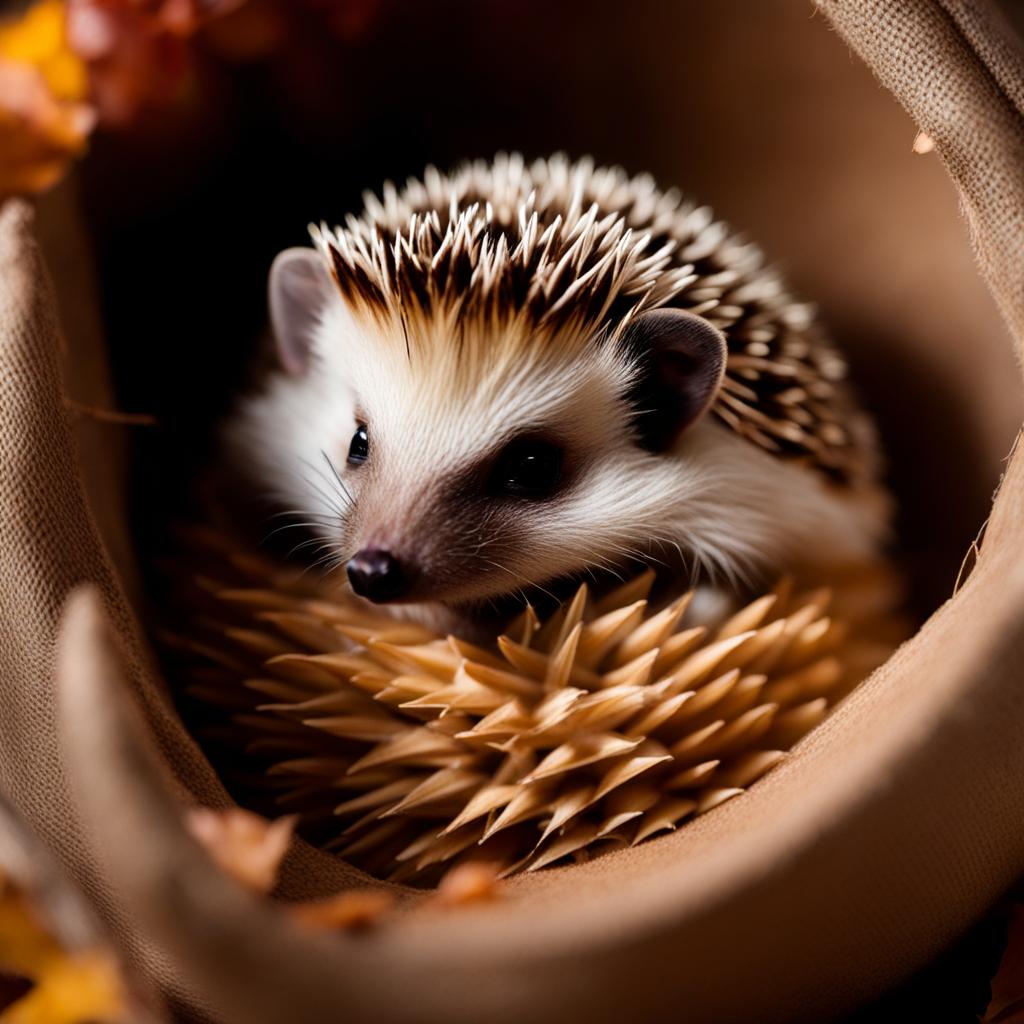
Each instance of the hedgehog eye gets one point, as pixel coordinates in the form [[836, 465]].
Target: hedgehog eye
[[527, 468], [360, 446]]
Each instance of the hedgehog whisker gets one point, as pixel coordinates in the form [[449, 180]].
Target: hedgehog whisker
[[337, 476], [319, 542], [332, 559], [331, 496], [300, 512], [297, 525], [328, 499]]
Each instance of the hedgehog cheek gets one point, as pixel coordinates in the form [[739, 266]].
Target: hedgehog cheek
[[679, 362], [298, 290]]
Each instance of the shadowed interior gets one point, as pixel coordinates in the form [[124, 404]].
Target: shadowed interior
[[819, 171]]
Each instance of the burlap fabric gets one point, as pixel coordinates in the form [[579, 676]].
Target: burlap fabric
[[888, 831]]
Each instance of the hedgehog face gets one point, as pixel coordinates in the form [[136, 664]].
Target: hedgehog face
[[459, 471], [446, 468]]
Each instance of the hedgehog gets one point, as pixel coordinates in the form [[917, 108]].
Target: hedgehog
[[496, 382]]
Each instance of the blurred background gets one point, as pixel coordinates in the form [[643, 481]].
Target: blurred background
[[219, 141], [217, 129]]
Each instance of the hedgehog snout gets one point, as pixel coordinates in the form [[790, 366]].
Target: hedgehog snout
[[379, 576]]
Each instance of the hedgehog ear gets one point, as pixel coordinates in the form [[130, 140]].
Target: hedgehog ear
[[299, 288], [679, 359]]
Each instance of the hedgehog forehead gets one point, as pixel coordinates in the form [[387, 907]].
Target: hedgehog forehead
[[442, 404]]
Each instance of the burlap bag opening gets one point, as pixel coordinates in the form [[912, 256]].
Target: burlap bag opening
[[886, 833]]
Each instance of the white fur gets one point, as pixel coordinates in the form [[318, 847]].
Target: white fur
[[731, 508]]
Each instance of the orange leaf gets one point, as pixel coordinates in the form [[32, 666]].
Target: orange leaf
[[66, 987], [245, 846], [472, 882], [39, 39], [71, 989], [44, 120], [349, 911], [38, 134]]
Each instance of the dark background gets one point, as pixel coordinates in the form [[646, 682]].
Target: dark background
[[752, 105]]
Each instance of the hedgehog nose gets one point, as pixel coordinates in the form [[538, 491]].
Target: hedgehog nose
[[377, 575]]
